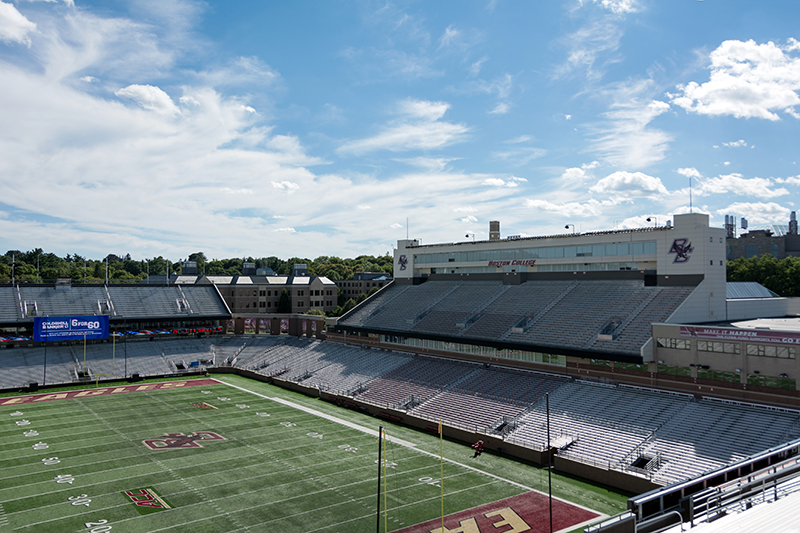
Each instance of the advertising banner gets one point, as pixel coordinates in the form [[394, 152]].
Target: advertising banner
[[69, 328], [749, 335]]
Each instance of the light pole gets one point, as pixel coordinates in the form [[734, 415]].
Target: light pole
[[573, 228], [653, 219]]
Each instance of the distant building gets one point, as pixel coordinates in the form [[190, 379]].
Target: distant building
[[779, 241], [362, 283]]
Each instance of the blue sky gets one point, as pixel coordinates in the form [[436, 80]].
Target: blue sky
[[318, 128]]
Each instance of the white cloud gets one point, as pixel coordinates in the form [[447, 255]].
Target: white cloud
[[465, 209], [513, 181], [630, 185], [587, 45], [500, 109], [689, 172], [364, 207], [592, 208], [423, 109], [14, 26], [520, 139], [450, 34], [150, 98], [794, 180], [619, 6], [567, 117], [396, 225], [726, 163], [520, 156], [430, 163], [468, 219], [475, 68], [285, 230], [89, 79], [736, 144], [419, 128], [228, 190], [626, 140], [736, 184], [285, 186], [748, 80], [576, 176], [758, 212]]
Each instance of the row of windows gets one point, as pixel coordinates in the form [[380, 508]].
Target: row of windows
[[675, 344], [783, 352], [517, 355], [761, 350], [315, 303], [549, 252], [716, 346], [298, 292]]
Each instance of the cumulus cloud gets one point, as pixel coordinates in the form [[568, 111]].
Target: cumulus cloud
[[794, 180], [619, 6], [577, 175], [689, 172], [630, 185], [396, 225], [14, 26], [747, 80], [418, 128], [150, 98], [592, 208], [758, 212], [736, 184], [285, 186], [469, 218]]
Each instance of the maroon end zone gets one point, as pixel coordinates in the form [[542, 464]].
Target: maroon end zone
[[526, 512], [106, 391]]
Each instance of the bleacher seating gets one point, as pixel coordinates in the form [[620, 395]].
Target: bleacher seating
[[537, 312]]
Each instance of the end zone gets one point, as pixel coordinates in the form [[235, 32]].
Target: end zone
[[526, 512], [107, 391]]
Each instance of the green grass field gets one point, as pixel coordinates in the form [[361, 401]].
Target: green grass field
[[287, 463]]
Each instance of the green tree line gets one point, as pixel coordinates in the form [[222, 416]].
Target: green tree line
[[780, 276], [37, 264]]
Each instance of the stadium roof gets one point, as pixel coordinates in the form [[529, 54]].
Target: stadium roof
[[20, 304], [735, 290]]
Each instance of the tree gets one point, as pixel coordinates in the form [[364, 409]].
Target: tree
[[284, 303]]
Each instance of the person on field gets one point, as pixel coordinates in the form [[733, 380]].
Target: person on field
[[478, 447]]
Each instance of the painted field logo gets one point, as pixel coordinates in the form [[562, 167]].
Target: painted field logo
[[203, 405], [147, 500], [172, 441]]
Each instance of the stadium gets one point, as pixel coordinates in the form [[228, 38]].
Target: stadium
[[621, 359]]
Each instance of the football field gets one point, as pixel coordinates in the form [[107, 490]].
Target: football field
[[236, 455]]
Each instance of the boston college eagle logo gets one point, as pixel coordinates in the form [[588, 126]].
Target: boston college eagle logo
[[681, 248], [403, 262], [172, 441]]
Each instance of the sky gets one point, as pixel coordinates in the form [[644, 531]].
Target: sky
[[311, 128]]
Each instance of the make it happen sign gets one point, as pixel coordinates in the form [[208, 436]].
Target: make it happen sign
[[66, 328]]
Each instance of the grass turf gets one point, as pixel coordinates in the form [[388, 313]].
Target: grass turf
[[289, 463]]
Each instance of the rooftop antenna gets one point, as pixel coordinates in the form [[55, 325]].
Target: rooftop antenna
[[690, 194], [406, 228]]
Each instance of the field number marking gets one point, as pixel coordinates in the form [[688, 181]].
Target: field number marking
[[40, 446], [51, 461], [31, 433], [288, 424], [65, 478], [223, 398], [242, 406], [348, 448], [429, 481], [262, 414], [388, 464], [80, 500], [16, 413], [98, 527], [23, 422], [314, 435]]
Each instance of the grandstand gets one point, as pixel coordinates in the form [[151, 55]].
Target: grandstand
[[485, 352]]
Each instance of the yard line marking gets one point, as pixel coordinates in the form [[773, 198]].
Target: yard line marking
[[374, 433]]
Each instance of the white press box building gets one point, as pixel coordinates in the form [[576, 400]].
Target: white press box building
[[634, 296]]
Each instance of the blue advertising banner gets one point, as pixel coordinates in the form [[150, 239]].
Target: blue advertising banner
[[69, 328]]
